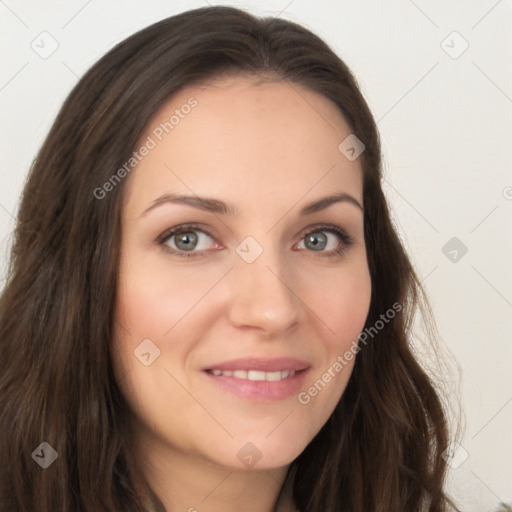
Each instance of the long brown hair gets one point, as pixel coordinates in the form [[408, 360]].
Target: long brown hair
[[381, 450]]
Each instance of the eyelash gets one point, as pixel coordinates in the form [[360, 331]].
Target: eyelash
[[346, 239]]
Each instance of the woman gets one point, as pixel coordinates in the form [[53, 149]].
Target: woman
[[207, 306]]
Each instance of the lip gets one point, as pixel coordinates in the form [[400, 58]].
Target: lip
[[260, 391]]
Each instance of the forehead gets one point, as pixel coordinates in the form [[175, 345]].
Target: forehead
[[243, 137]]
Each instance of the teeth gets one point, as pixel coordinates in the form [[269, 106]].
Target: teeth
[[272, 375], [255, 375]]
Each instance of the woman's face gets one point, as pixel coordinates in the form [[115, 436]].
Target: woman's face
[[213, 319]]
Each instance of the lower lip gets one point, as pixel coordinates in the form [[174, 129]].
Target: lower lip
[[261, 390]]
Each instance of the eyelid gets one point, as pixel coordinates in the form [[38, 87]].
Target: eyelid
[[313, 228], [188, 226]]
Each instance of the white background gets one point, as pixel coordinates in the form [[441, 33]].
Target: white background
[[446, 128]]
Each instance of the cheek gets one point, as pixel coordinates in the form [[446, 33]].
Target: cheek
[[149, 303], [341, 303], [347, 310], [343, 310], [152, 300], [341, 307], [157, 304]]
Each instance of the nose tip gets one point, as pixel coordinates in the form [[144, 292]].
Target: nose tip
[[263, 298]]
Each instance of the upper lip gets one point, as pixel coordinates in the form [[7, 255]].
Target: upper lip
[[264, 365]]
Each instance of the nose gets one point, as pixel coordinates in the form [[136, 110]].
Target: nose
[[263, 296]]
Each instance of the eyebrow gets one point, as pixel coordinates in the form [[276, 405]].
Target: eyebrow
[[221, 208]]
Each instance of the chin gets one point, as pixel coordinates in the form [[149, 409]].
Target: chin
[[262, 453]]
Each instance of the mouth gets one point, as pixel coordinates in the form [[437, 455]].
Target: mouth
[[259, 380]]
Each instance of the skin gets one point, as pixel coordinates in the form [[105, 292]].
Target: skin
[[268, 150]]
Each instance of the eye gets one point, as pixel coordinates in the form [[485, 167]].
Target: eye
[[185, 238], [318, 240], [191, 240]]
